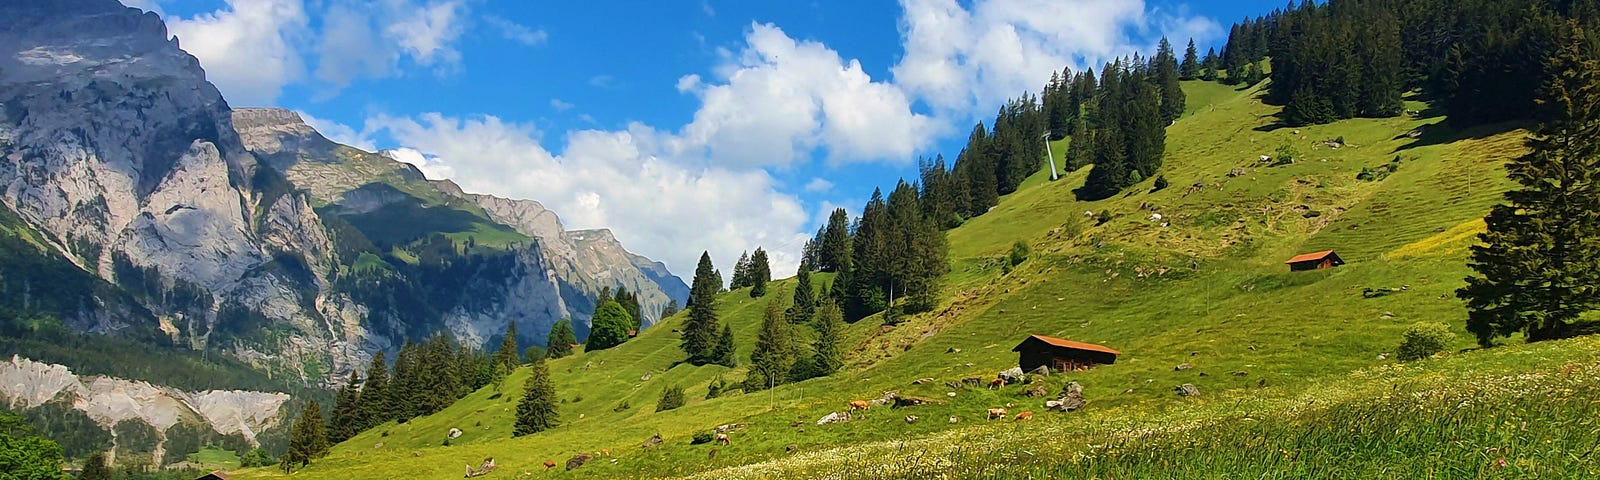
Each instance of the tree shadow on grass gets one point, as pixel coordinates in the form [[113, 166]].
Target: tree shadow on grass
[[1441, 132]]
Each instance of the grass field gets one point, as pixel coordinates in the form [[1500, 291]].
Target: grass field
[[1288, 358]]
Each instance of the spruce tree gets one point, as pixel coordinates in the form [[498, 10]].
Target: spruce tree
[[773, 354], [308, 440], [1190, 69], [95, 468], [608, 328], [830, 325], [403, 392], [346, 419], [1164, 72], [1211, 65], [759, 272], [1145, 127], [699, 331], [508, 357], [723, 353], [804, 299], [561, 339], [834, 253], [536, 412], [741, 272], [1539, 265], [375, 393]]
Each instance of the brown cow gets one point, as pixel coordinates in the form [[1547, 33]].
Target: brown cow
[[997, 413], [723, 439], [997, 383], [1024, 416], [859, 405], [549, 464]]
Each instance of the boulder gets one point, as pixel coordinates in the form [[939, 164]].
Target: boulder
[[1042, 371], [653, 441], [1014, 375], [1182, 367], [911, 419], [911, 401], [578, 460], [922, 380], [973, 381], [1071, 403], [455, 433], [1072, 388], [1187, 390], [1036, 391], [835, 417]]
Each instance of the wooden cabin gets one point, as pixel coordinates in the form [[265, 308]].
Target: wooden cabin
[[1061, 355], [1314, 261], [217, 475]]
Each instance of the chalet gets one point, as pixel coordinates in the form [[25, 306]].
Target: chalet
[[217, 475], [1315, 261], [1062, 355]]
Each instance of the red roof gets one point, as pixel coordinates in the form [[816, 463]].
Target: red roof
[[1076, 345], [1310, 257]]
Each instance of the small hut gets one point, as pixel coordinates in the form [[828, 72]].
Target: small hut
[[1315, 261], [217, 475], [1061, 355]]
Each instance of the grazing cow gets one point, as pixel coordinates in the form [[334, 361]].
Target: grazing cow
[[997, 383], [859, 405], [1024, 416], [549, 464], [723, 439], [997, 413]]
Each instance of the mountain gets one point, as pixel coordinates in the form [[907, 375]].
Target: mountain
[[245, 231]]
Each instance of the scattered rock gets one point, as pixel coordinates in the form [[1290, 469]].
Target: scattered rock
[[1014, 375], [835, 417], [1240, 373], [1042, 371], [955, 419], [1193, 353], [949, 394], [953, 350], [377, 445], [973, 382], [1383, 356], [416, 454], [1182, 367], [1071, 403], [1072, 388], [1237, 172], [921, 381], [1036, 391], [578, 460], [911, 419], [645, 378], [1127, 392], [653, 441], [1187, 390], [902, 402], [731, 427], [455, 433], [791, 448]]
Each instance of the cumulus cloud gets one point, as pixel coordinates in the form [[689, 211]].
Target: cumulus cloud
[[966, 59], [350, 48], [517, 32], [427, 33], [657, 206], [818, 185], [560, 105], [780, 99], [247, 48]]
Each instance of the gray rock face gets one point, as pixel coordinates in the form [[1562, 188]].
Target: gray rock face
[[115, 148]]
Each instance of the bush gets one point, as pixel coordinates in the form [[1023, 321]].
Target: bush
[[1019, 252], [1105, 216], [701, 438], [718, 385], [671, 397], [1161, 182], [1285, 155], [1424, 339], [257, 458]]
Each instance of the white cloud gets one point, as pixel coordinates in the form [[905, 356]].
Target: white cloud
[[560, 105], [966, 60], [517, 32], [247, 48], [350, 48], [780, 99], [603, 81], [427, 33], [339, 132], [657, 206], [818, 185]]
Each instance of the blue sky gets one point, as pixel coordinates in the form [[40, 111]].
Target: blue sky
[[682, 125]]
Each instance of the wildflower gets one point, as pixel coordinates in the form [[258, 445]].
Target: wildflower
[[1501, 463]]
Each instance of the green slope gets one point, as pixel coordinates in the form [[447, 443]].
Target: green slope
[[1208, 289]]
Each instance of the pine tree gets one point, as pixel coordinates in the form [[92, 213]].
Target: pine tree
[[699, 331], [375, 393], [1080, 152], [804, 299], [759, 272], [95, 468], [561, 339], [508, 357], [829, 324], [609, 327], [834, 253], [308, 440], [1539, 265], [1190, 69], [346, 419], [630, 304], [773, 354], [1145, 127], [741, 272], [979, 161], [723, 353], [403, 394], [1164, 72], [537, 410], [1211, 65]]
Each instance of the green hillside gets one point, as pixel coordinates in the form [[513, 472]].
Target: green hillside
[[1204, 284]]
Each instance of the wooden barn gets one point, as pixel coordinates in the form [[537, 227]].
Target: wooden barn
[[1061, 355], [1315, 261], [217, 475]]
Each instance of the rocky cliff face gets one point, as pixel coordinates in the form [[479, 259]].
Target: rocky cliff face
[[246, 231]]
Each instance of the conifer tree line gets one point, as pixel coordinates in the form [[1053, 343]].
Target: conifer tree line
[[894, 255], [425, 378], [1120, 121], [798, 339], [706, 339], [754, 271], [617, 317], [1481, 60]]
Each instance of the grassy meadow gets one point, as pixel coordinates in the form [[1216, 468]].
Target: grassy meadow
[[1296, 370]]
